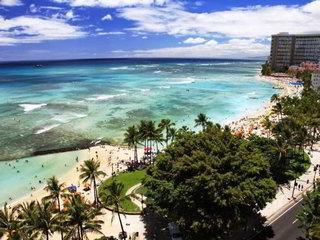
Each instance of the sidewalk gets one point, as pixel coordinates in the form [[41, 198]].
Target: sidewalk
[[284, 198]]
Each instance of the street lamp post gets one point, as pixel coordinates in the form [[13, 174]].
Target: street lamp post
[[314, 176], [294, 187]]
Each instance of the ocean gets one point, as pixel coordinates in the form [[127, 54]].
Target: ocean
[[47, 106]]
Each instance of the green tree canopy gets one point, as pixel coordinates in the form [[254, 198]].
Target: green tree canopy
[[210, 182]]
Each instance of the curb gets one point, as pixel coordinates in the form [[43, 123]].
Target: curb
[[278, 213]]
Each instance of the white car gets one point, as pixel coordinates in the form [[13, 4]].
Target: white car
[[174, 231]]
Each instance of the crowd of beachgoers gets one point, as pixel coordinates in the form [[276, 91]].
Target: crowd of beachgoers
[[252, 123]]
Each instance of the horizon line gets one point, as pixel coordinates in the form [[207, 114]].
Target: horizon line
[[133, 58]]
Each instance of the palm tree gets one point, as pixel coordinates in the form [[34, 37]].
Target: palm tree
[[275, 98], [309, 217], [148, 132], [201, 120], [158, 138], [166, 124], [27, 217], [55, 189], [132, 138], [80, 218], [8, 222], [151, 134], [142, 129], [314, 231], [114, 197], [172, 134], [90, 172], [278, 110], [267, 124], [45, 221]]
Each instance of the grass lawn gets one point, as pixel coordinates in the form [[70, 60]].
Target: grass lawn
[[141, 190], [128, 179]]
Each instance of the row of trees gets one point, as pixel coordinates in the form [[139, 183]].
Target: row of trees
[[148, 134], [61, 210], [297, 127], [309, 217]]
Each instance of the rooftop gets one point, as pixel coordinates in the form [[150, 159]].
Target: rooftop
[[316, 34]]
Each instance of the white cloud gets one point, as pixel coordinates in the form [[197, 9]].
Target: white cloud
[[250, 22], [110, 33], [10, 3], [197, 40], [33, 8], [69, 15], [107, 17], [234, 48], [112, 3], [27, 29]]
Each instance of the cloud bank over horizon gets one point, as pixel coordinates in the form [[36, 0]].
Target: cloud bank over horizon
[[153, 28]]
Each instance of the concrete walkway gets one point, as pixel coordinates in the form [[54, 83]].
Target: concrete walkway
[[131, 191], [284, 197]]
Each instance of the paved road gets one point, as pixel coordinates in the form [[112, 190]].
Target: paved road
[[286, 226]]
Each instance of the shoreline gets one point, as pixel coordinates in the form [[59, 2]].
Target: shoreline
[[246, 122], [106, 154], [250, 123], [112, 158]]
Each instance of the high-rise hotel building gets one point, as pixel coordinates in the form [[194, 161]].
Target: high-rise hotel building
[[288, 49]]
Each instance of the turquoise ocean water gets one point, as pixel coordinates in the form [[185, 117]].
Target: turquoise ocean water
[[63, 103]]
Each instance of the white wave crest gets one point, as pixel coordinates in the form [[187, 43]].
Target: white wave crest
[[145, 89], [47, 128], [164, 87], [187, 80], [121, 68], [31, 107], [104, 97], [65, 118]]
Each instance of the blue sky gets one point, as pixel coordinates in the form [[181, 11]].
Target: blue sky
[[66, 29]]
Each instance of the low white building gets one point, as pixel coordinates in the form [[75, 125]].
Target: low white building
[[315, 80]]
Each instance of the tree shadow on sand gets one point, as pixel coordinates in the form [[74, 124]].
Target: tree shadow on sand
[[156, 226]]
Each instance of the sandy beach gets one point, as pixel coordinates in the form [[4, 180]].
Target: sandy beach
[[111, 158], [251, 123]]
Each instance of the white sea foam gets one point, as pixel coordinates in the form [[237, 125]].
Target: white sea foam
[[121, 68], [182, 82], [30, 107], [47, 128], [145, 89], [187, 80], [164, 87], [68, 117], [223, 63], [105, 97], [157, 72]]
